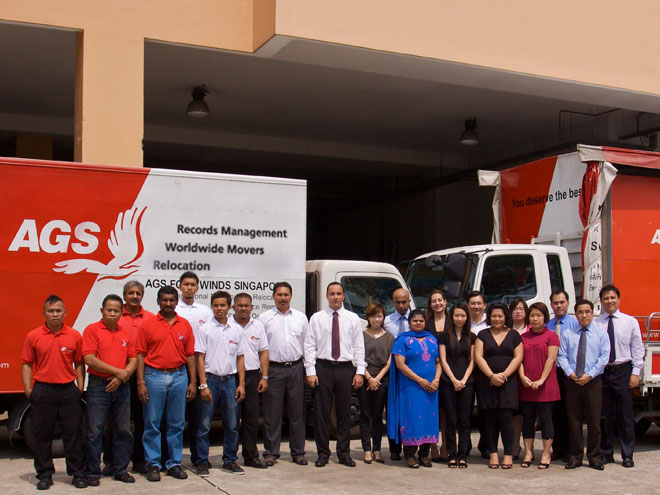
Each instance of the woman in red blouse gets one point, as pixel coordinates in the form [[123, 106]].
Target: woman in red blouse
[[538, 382]]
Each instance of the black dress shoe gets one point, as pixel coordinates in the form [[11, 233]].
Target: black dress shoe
[[573, 464], [607, 459], [255, 463], [426, 464], [125, 478], [347, 461], [321, 461], [93, 482], [269, 460], [79, 482], [597, 465], [44, 483], [300, 460], [628, 462], [153, 473], [177, 472], [395, 457]]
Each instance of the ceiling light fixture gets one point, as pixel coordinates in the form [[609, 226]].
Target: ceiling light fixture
[[197, 108], [470, 136]]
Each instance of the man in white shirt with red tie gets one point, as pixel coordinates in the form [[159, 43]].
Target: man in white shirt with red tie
[[621, 376], [334, 362]]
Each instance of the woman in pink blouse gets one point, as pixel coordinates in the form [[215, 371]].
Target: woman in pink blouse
[[538, 382]]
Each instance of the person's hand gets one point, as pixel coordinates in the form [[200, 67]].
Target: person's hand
[[537, 384], [28, 393], [573, 377], [424, 383], [358, 380], [373, 383], [497, 380], [240, 393], [526, 382], [458, 385], [434, 385], [583, 380], [206, 395], [191, 391], [634, 381], [122, 375], [262, 386], [113, 384], [312, 380], [142, 393]]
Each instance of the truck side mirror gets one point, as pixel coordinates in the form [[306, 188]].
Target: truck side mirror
[[453, 289], [455, 266]]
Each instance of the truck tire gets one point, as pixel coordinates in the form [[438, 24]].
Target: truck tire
[[642, 426], [28, 436]]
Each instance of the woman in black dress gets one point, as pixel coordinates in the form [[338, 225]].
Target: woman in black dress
[[456, 383], [498, 353], [437, 322]]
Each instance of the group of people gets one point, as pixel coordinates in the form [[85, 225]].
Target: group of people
[[524, 368], [423, 367]]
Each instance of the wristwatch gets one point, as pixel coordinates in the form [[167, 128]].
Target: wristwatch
[[265, 377], [203, 386]]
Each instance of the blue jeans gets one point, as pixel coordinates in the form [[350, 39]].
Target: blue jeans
[[100, 406], [167, 392], [223, 390]]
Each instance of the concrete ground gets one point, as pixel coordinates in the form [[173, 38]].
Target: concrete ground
[[17, 476]]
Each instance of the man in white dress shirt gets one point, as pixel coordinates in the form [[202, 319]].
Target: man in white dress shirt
[[197, 314], [477, 307], [219, 351], [332, 346], [621, 376], [396, 323], [256, 377], [286, 329]]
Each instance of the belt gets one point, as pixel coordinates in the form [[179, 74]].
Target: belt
[[612, 367], [168, 370], [335, 363], [287, 364]]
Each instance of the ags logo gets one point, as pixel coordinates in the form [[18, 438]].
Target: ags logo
[[125, 244]]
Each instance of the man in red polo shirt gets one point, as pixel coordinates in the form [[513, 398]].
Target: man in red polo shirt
[[165, 348], [109, 352], [50, 354], [132, 316]]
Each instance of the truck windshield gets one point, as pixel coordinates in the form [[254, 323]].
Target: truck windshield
[[422, 279], [363, 291]]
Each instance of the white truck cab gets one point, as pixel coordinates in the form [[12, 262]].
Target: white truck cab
[[501, 271], [364, 282]]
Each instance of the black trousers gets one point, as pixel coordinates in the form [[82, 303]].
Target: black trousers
[[335, 386], [285, 383], [372, 405], [250, 415], [138, 430], [530, 410], [458, 411], [585, 407], [561, 445], [52, 402], [499, 421], [618, 410], [409, 451]]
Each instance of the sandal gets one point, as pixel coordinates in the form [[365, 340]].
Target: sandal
[[544, 465], [507, 466], [378, 457], [425, 463], [462, 464], [526, 464], [414, 465], [493, 466], [452, 464]]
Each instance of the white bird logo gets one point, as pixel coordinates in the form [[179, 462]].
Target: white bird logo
[[125, 243]]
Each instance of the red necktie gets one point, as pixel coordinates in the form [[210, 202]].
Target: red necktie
[[335, 336]]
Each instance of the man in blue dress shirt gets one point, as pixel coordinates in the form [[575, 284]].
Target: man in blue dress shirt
[[621, 376], [561, 321], [583, 354]]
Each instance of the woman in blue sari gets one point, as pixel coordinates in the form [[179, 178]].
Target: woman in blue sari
[[412, 409]]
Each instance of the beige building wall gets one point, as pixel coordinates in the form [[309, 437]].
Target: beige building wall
[[606, 42]]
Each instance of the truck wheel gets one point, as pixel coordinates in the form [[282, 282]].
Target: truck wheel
[[28, 436], [642, 426]]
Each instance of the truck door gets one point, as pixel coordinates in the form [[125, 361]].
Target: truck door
[[509, 275]]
